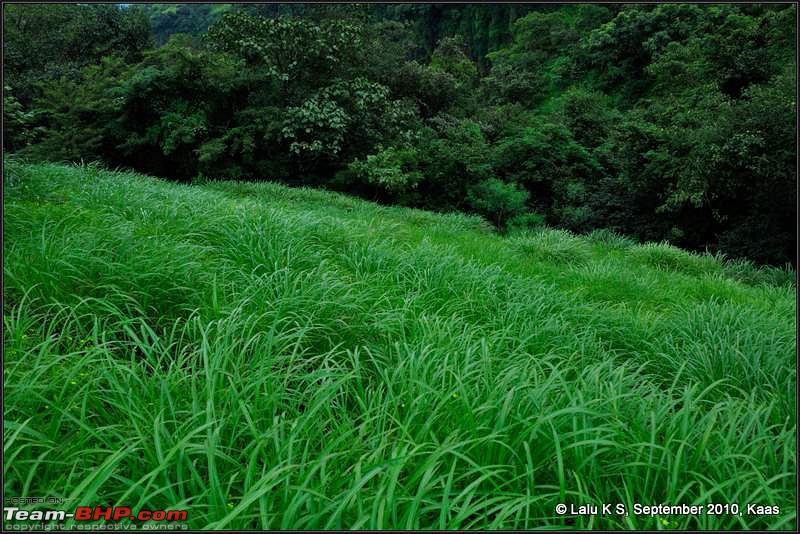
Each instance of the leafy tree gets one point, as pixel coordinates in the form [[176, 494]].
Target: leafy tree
[[550, 164], [452, 158], [17, 123], [188, 19], [537, 61], [588, 114], [498, 201], [77, 118], [446, 85], [45, 42], [177, 99], [303, 55], [618, 52], [388, 47], [432, 91], [450, 57], [343, 121], [394, 169]]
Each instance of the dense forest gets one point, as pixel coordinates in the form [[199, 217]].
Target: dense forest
[[665, 122]]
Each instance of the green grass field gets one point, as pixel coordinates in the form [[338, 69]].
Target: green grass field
[[268, 357]]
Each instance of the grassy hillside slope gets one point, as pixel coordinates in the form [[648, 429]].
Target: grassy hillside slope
[[270, 357]]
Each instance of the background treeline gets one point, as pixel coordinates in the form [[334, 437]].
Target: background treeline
[[664, 122]]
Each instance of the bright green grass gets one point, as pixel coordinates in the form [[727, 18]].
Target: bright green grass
[[290, 358]]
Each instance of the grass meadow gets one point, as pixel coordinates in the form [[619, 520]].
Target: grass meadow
[[279, 358]]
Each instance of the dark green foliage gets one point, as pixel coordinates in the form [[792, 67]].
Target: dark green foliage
[[163, 110], [189, 19], [557, 170], [393, 169], [668, 122], [452, 158], [540, 59], [432, 91], [300, 54], [484, 28], [17, 122], [343, 121], [78, 118], [45, 42], [498, 201]]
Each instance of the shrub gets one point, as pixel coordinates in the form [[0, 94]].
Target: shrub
[[392, 168], [548, 161], [498, 201]]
